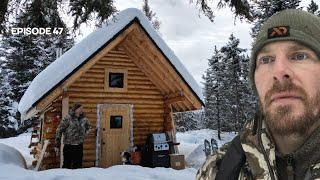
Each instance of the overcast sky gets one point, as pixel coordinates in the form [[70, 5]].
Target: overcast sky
[[190, 34], [192, 38]]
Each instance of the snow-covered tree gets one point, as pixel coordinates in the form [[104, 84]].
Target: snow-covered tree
[[266, 8], [229, 101], [241, 8], [313, 8], [28, 54], [186, 121], [81, 10], [212, 90], [150, 15]]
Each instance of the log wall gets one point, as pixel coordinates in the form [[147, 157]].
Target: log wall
[[51, 120], [147, 100]]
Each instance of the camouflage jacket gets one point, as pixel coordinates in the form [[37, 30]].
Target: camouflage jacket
[[260, 157], [74, 129]]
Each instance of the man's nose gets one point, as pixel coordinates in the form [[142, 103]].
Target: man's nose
[[282, 69]]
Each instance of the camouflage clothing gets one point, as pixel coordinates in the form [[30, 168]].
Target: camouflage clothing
[[260, 157], [74, 129]]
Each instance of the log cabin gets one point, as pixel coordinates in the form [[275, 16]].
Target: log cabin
[[128, 81]]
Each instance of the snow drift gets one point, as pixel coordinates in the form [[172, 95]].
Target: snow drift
[[9, 155]]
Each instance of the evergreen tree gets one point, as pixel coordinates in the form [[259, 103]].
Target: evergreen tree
[[26, 55], [150, 15], [187, 121], [313, 8], [85, 10], [212, 90], [240, 8], [81, 10], [266, 8], [228, 98]]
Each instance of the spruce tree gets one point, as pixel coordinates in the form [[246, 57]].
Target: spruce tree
[[266, 8], [241, 8], [187, 121], [150, 15], [81, 10], [228, 98], [212, 90], [313, 8], [27, 55]]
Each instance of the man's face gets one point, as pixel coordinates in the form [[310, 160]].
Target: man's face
[[78, 111], [287, 78]]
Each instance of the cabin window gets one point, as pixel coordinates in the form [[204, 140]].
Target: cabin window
[[116, 122], [116, 80]]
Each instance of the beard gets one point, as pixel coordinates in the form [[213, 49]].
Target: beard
[[282, 120]]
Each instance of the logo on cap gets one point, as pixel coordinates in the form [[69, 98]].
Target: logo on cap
[[280, 31]]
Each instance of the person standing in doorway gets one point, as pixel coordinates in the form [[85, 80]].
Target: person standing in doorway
[[75, 127]]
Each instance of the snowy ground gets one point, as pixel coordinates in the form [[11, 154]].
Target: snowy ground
[[191, 145]]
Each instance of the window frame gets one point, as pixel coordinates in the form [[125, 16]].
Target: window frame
[[107, 78]]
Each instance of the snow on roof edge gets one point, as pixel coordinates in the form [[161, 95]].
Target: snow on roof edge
[[81, 51]]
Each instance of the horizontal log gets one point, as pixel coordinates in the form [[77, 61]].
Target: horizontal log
[[89, 146], [115, 63], [97, 66], [88, 164], [148, 120], [148, 124], [135, 109], [89, 158], [148, 111], [139, 82], [115, 95], [145, 133], [116, 59], [101, 90], [144, 116], [119, 100], [88, 82], [111, 55], [89, 87], [99, 84], [89, 152], [90, 78], [142, 87], [115, 101], [148, 129]]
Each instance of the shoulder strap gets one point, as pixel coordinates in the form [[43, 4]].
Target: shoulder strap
[[232, 161]]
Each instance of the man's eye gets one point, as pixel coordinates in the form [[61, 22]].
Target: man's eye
[[265, 59], [299, 56]]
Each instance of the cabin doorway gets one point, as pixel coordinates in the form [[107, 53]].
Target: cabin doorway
[[115, 133]]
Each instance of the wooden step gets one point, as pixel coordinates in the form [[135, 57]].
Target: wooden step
[[33, 144]]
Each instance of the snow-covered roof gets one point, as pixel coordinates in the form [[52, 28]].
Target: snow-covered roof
[[62, 67]]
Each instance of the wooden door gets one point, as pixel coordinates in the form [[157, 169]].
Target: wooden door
[[115, 133]]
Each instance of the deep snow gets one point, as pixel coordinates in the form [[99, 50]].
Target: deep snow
[[191, 145]]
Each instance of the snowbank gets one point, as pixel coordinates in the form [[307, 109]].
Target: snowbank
[[120, 172], [191, 144], [9, 155], [20, 143]]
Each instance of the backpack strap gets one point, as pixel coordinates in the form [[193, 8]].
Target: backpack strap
[[232, 162]]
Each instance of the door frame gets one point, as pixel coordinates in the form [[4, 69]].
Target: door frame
[[100, 107]]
